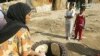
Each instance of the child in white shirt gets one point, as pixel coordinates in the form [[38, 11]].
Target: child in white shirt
[[69, 21]]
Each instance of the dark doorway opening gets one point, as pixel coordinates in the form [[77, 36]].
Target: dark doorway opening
[[53, 4]]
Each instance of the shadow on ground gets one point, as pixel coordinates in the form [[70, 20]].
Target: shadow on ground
[[50, 34], [82, 49]]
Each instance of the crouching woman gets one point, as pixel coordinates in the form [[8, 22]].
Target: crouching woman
[[15, 37]]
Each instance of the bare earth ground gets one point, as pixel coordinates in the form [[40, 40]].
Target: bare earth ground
[[51, 26]]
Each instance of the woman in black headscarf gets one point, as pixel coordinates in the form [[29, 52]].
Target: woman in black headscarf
[[15, 37]]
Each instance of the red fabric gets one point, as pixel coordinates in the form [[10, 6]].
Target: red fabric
[[78, 31], [79, 24], [79, 20]]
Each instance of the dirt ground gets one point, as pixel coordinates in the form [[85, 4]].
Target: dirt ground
[[51, 26]]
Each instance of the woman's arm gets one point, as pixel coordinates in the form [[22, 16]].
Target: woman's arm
[[25, 43]]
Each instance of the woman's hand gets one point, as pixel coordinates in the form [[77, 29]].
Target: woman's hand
[[33, 53]]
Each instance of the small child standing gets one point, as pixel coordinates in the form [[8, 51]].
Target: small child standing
[[79, 24], [69, 20]]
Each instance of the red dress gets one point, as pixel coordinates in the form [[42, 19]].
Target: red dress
[[79, 25]]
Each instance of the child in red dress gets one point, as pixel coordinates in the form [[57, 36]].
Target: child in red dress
[[79, 24]]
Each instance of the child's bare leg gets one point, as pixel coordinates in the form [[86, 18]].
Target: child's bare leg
[[76, 32], [80, 34]]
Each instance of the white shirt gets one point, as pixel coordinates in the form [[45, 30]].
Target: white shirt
[[71, 12]]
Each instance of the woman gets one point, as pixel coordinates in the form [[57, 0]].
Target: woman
[[15, 36]]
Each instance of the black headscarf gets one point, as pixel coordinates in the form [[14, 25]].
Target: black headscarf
[[16, 13]]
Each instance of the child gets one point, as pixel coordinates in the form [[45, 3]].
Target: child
[[79, 24], [69, 20]]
